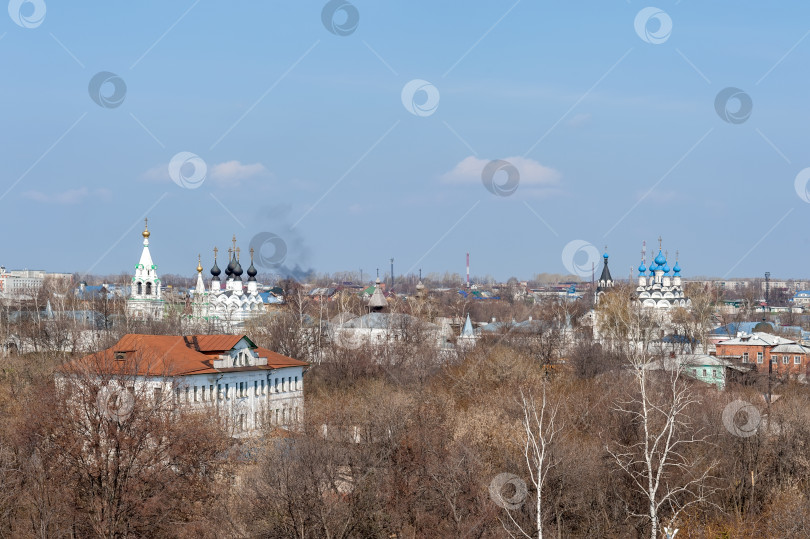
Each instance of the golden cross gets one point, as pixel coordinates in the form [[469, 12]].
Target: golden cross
[[238, 250], [215, 253], [234, 242], [251, 256]]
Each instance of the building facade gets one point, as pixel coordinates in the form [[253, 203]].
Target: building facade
[[247, 386], [786, 356]]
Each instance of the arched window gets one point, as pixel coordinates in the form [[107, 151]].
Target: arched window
[[148, 289], [139, 289]]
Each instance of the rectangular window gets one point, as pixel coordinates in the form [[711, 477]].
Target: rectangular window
[[289, 383], [202, 393], [158, 394], [195, 393], [262, 387], [227, 391], [255, 388], [241, 389], [704, 372], [759, 357], [186, 394], [745, 357], [797, 360], [295, 388], [277, 390], [774, 359], [219, 391], [211, 392], [785, 360], [714, 373]]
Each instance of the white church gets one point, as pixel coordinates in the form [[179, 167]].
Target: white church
[[223, 306], [145, 301], [227, 306]]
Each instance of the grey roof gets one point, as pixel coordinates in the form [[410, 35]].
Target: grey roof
[[377, 299], [758, 339], [386, 321], [688, 360], [342, 318], [790, 349]]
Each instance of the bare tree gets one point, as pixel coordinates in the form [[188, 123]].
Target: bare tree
[[540, 429], [665, 457]]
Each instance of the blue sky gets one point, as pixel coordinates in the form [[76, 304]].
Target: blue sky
[[304, 134]]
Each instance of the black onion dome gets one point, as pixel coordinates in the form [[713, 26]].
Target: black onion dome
[[237, 270], [252, 272], [215, 271], [231, 266]]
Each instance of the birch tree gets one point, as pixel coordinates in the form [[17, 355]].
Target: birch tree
[[664, 459], [541, 428]]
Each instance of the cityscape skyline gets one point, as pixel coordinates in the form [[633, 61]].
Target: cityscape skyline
[[356, 132]]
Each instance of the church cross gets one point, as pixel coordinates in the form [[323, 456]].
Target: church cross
[[215, 253], [659, 243]]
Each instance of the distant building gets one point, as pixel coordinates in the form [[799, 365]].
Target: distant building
[[801, 298], [605, 280], [707, 369], [785, 355], [381, 329], [145, 301], [25, 283], [659, 290]]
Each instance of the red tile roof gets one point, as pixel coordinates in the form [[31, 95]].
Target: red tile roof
[[171, 355]]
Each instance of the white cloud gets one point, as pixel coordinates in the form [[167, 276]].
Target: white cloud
[[531, 172], [229, 173], [233, 172], [71, 196]]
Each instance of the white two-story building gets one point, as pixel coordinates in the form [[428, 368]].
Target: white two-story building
[[247, 386]]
